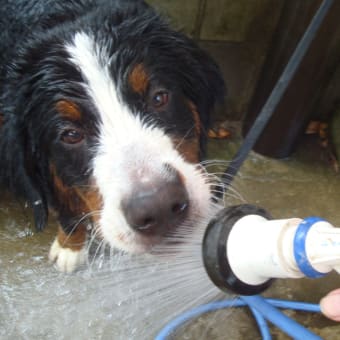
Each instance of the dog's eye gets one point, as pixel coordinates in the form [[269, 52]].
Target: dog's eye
[[72, 136], [160, 99]]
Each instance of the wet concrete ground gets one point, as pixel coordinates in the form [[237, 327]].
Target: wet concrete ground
[[299, 186]]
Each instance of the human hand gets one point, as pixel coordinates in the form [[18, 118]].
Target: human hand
[[330, 305]]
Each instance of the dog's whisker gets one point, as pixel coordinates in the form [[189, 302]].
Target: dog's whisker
[[179, 144], [93, 237], [215, 162], [97, 254]]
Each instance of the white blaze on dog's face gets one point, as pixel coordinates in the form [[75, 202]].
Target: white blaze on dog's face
[[135, 163]]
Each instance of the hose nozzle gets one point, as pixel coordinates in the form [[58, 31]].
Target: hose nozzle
[[244, 249]]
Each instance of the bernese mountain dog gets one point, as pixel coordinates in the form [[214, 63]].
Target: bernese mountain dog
[[104, 110]]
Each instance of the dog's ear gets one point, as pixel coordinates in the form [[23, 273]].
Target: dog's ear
[[37, 202], [201, 78], [206, 85], [34, 195], [17, 171]]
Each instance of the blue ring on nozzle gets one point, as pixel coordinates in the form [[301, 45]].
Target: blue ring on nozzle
[[300, 248]]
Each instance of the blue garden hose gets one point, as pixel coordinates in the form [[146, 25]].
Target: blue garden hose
[[282, 321], [262, 309]]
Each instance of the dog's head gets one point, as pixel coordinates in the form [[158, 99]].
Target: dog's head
[[107, 122]]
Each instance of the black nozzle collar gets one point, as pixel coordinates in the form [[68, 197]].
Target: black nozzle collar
[[215, 250]]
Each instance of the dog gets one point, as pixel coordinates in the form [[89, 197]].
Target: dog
[[104, 110]]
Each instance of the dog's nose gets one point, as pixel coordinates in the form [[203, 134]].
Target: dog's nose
[[157, 205]]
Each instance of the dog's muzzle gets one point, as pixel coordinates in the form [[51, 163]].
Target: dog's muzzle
[[157, 205]]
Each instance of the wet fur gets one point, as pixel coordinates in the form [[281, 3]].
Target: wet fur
[[37, 73]]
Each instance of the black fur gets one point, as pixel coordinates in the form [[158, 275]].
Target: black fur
[[35, 73]]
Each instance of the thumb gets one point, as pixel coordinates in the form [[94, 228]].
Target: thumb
[[330, 305]]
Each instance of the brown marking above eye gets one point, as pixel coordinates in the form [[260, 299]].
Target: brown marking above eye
[[139, 79], [68, 110]]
